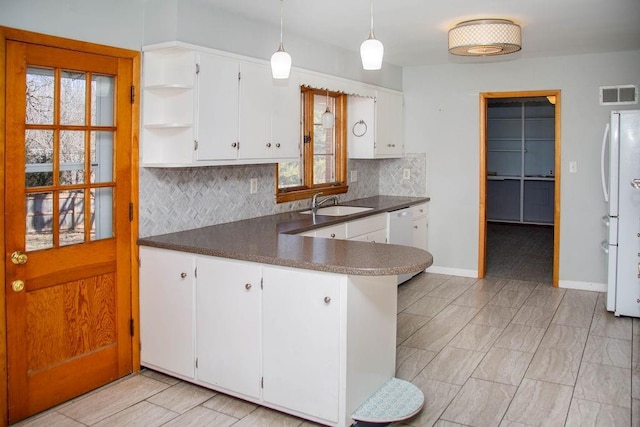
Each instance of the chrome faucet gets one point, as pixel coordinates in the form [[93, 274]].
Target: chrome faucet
[[315, 203]]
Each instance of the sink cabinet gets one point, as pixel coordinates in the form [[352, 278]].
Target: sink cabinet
[[370, 229]]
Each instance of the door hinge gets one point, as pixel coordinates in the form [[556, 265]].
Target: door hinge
[[262, 283], [195, 273], [195, 145], [306, 139], [131, 327], [131, 211], [239, 75], [261, 382], [133, 94], [197, 68], [196, 363]]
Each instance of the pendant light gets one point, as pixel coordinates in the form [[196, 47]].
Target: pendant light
[[371, 50], [328, 119], [280, 60]]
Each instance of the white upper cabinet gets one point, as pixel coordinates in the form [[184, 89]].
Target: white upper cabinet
[[218, 108], [375, 126], [202, 108], [389, 124]]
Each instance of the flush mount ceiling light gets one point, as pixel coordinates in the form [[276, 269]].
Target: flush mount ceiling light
[[371, 50], [485, 37], [280, 60]]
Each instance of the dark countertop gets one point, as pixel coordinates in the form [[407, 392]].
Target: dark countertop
[[271, 239]]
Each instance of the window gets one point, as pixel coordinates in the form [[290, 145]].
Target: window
[[322, 166]]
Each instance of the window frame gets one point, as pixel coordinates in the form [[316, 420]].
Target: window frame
[[308, 188]]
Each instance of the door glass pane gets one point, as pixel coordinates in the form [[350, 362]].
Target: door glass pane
[[101, 157], [38, 158], [71, 157], [72, 98], [40, 85], [39, 217], [101, 213], [72, 220], [102, 100]]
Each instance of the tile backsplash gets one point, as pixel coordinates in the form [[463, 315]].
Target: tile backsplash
[[175, 199]]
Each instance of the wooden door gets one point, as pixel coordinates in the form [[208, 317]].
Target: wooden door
[[67, 223]]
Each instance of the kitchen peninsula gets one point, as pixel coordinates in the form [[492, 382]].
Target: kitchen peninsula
[[251, 308]]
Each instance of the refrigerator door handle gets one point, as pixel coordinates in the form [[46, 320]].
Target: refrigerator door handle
[[636, 183], [605, 191], [605, 220], [605, 247]]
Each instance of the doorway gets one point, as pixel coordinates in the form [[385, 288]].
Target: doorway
[[520, 185], [68, 147]]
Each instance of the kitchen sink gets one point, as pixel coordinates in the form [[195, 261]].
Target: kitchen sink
[[338, 210]]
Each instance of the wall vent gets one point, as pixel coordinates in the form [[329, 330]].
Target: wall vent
[[618, 95]]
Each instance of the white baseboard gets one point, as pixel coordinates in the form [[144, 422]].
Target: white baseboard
[[583, 286], [452, 271]]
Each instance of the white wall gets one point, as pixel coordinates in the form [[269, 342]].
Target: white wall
[[115, 22], [199, 22], [442, 120]]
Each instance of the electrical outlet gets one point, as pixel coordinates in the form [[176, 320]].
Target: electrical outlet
[[406, 174], [253, 186], [573, 166], [354, 176]]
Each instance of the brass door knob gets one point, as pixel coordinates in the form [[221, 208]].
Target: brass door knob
[[17, 285], [18, 258]]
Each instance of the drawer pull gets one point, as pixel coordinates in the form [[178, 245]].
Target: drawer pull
[[183, 275], [327, 300], [247, 286]]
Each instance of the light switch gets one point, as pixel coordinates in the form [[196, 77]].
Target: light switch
[[573, 166]]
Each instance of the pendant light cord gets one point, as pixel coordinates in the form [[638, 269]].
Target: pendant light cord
[[371, 32], [281, 7]]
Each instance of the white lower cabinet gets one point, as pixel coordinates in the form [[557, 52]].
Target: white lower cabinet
[[167, 283], [228, 325], [420, 224], [301, 341], [310, 343]]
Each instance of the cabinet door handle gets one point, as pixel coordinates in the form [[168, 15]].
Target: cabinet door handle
[[268, 145], [183, 275], [234, 144], [277, 145], [327, 300], [247, 286], [415, 226], [333, 235]]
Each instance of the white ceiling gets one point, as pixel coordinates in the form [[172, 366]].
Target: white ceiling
[[414, 32]]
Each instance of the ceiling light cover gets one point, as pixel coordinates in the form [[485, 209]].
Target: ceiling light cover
[[485, 37], [280, 60]]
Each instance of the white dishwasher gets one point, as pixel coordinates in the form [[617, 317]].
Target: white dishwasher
[[399, 232]]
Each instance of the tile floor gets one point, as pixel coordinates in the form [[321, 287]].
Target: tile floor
[[491, 352]]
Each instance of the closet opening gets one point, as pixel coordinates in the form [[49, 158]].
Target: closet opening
[[519, 190]]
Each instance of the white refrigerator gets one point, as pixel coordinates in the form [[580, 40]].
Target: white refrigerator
[[620, 170]]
